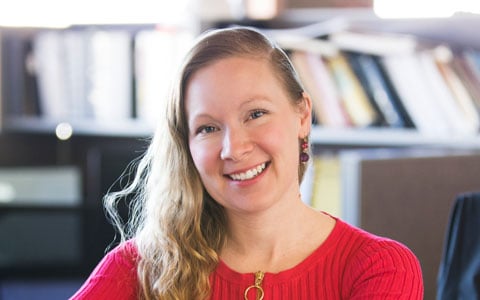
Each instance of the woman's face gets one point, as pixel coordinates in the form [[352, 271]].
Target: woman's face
[[243, 134]]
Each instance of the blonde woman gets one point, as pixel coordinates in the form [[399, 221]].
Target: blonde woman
[[219, 213]]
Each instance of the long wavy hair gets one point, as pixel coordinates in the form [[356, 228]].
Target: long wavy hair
[[177, 227]]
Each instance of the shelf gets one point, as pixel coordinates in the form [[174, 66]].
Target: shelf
[[459, 29], [388, 137], [367, 137], [84, 127], [25, 208]]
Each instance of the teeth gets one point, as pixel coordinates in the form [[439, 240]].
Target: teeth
[[249, 174]]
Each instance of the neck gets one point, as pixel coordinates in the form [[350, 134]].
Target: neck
[[272, 240]]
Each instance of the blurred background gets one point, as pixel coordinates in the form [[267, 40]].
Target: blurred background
[[396, 91]]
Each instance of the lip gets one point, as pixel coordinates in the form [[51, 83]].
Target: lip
[[228, 175]]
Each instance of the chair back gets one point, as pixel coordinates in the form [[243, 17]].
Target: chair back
[[459, 272]]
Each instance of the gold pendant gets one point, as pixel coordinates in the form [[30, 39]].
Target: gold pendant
[[258, 286]]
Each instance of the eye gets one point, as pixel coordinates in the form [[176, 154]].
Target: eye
[[206, 129], [256, 114]]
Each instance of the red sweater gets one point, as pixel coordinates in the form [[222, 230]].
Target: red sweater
[[350, 264]]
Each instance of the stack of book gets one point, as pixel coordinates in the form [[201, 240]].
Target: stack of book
[[355, 79], [90, 73], [365, 79]]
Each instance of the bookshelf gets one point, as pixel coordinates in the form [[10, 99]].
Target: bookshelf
[[320, 136], [134, 126], [99, 150], [76, 174], [34, 125], [102, 80], [387, 137], [15, 119]]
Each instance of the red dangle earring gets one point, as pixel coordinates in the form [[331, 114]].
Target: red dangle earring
[[304, 157]]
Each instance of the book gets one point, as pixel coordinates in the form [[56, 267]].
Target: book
[[306, 44], [473, 58], [95, 67], [352, 94], [441, 97], [379, 92], [110, 75], [319, 84], [157, 56], [375, 43], [311, 31], [19, 91], [408, 76], [468, 70], [326, 194], [468, 113], [76, 43], [50, 71]]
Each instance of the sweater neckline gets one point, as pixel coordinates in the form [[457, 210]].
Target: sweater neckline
[[310, 261]]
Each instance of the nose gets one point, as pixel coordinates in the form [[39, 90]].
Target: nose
[[236, 145]]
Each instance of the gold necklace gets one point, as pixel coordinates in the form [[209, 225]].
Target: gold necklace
[[257, 285]]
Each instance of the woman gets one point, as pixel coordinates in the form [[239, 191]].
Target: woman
[[219, 214]]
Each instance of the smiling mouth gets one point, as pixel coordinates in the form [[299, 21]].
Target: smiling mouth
[[249, 174]]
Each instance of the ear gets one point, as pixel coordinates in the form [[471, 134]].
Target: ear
[[305, 115]]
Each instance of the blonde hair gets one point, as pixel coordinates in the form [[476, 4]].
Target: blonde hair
[[178, 228]]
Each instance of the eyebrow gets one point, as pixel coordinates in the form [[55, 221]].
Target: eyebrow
[[247, 102]]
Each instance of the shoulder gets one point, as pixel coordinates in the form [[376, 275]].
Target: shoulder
[[122, 259], [125, 253], [117, 271], [362, 244], [379, 266]]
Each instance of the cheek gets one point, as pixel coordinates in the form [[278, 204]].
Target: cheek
[[281, 140], [202, 156]]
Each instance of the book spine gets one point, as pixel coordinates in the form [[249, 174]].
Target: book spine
[[379, 93], [352, 93], [110, 70]]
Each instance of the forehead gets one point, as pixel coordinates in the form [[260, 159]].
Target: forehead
[[233, 80], [232, 75], [248, 71]]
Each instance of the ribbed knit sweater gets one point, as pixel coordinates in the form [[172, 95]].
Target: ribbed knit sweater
[[350, 264]]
